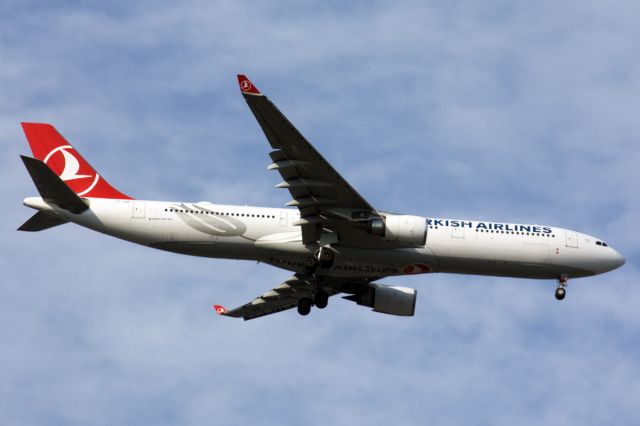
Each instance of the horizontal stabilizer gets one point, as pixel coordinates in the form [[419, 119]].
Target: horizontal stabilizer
[[41, 221], [52, 189]]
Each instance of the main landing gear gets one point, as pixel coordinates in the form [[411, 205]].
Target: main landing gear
[[320, 300], [561, 291], [325, 258], [322, 259], [310, 265]]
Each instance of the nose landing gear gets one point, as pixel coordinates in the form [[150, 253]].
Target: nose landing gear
[[561, 291]]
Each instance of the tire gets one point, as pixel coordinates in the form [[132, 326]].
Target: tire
[[326, 256], [310, 264], [321, 299], [326, 259], [560, 293], [304, 306]]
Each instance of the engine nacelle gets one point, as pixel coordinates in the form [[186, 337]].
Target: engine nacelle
[[388, 299], [404, 229]]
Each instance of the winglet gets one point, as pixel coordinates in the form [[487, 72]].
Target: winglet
[[220, 310], [246, 87]]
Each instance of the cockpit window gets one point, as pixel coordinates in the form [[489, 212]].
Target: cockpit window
[[598, 243]]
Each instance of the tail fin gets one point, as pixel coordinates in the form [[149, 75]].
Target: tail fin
[[51, 148]]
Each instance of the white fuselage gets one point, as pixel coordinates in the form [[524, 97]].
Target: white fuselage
[[268, 235]]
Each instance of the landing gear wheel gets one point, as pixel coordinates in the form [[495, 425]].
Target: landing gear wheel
[[304, 306], [310, 265], [326, 258], [321, 299], [561, 292]]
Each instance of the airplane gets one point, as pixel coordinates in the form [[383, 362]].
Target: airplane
[[332, 240]]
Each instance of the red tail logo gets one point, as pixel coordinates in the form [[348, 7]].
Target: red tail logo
[[70, 170], [220, 310], [50, 147]]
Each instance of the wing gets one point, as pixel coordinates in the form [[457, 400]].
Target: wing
[[282, 297], [286, 295], [324, 198]]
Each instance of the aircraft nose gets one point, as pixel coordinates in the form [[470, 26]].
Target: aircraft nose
[[607, 260], [616, 260]]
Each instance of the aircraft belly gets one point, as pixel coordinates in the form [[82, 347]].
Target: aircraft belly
[[513, 257], [503, 268], [352, 262], [224, 248]]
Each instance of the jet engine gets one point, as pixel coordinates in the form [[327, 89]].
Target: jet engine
[[387, 299], [404, 229]]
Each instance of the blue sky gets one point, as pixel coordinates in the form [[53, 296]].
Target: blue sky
[[504, 110]]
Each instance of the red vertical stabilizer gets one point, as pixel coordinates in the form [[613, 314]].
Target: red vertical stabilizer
[[50, 147]]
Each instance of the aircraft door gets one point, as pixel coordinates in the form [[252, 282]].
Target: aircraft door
[[283, 219], [457, 232], [139, 209], [572, 239]]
